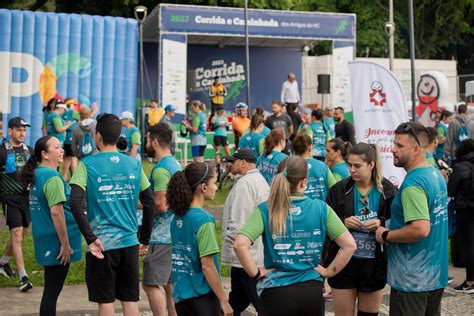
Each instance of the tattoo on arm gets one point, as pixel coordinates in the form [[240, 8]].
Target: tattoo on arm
[[334, 269]]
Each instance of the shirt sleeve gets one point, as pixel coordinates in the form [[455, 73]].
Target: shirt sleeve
[[207, 240], [415, 204], [144, 183], [334, 225], [282, 96], [79, 177], [441, 132], [261, 146], [161, 177], [76, 116], [57, 122], [54, 191], [337, 177], [196, 121], [331, 179], [136, 139], [254, 226]]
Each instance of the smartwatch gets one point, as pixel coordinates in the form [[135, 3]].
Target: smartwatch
[[385, 236]]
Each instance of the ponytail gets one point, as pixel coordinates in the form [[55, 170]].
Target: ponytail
[[27, 176], [255, 122], [337, 144], [273, 139]]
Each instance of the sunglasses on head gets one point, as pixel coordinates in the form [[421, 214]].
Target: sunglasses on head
[[365, 202], [407, 128]]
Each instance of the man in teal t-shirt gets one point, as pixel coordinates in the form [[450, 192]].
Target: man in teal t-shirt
[[132, 134], [417, 235], [111, 184], [157, 263]]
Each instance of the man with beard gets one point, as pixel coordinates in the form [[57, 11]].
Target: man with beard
[[157, 262], [344, 129], [282, 121], [13, 157], [417, 235]]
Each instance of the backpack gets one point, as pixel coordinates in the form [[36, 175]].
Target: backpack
[[463, 133], [87, 146]]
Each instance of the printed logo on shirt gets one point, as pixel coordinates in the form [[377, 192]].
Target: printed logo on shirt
[[295, 211], [179, 223], [282, 246], [115, 159]]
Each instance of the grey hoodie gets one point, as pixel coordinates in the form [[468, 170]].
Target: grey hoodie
[[453, 128], [85, 126]]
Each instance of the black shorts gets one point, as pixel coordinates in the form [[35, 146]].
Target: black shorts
[[361, 274], [204, 305], [68, 150], [114, 277], [17, 212], [221, 141]]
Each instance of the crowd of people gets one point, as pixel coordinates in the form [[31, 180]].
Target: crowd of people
[[308, 204]]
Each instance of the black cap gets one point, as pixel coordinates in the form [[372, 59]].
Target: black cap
[[242, 154], [17, 122]]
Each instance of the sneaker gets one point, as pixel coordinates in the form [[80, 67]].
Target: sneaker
[[6, 270], [464, 288], [450, 279], [25, 284], [327, 296]]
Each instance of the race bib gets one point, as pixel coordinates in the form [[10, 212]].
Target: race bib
[[366, 244]]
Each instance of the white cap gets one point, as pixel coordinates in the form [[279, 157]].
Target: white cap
[[61, 105], [127, 115]]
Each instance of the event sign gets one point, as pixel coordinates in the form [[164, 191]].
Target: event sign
[[342, 53], [379, 106], [230, 21], [46, 55]]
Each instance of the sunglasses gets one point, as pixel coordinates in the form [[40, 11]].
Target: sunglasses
[[365, 202], [407, 128]]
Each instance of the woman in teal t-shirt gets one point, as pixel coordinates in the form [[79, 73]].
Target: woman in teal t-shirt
[[337, 151], [268, 162], [254, 140], [56, 236], [197, 288], [293, 229], [320, 178], [197, 128], [220, 124]]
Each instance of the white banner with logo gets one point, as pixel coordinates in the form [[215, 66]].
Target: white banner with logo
[[379, 106], [342, 53]]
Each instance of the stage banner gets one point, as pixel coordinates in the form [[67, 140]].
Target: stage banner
[[379, 106], [342, 53]]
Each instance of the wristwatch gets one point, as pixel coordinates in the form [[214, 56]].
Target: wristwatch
[[257, 276], [385, 235]]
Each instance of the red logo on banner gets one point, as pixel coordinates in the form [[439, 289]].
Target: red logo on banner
[[377, 96]]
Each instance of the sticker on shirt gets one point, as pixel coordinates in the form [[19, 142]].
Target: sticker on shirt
[[366, 245]]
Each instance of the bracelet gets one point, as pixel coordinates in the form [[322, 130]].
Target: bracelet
[[257, 276]]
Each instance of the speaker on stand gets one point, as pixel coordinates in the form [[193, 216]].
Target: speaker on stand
[[324, 85]]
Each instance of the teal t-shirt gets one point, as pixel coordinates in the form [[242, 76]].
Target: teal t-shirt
[[423, 265], [317, 186], [253, 141], [50, 189], [188, 279], [69, 116], [365, 209], [133, 138], [319, 139], [442, 132], [430, 159], [161, 222], [340, 171], [112, 182], [199, 138], [330, 126], [220, 130], [267, 165], [54, 120], [265, 131]]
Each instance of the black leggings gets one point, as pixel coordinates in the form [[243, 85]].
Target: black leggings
[[300, 299], [204, 305], [54, 277], [466, 234]]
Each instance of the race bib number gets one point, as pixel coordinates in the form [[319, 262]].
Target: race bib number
[[366, 244]]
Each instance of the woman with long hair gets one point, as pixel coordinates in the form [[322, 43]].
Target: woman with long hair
[[197, 129], [293, 229], [320, 178], [337, 152], [268, 162], [56, 236], [254, 140], [362, 201], [197, 288]]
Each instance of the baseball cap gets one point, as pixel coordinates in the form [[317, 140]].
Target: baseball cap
[[17, 122], [170, 107], [127, 115], [242, 154], [61, 106]]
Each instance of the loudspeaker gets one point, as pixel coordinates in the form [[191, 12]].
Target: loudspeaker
[[324, 85], [191, 81]]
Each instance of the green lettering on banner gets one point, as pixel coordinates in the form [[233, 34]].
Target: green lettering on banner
[[179, 18]]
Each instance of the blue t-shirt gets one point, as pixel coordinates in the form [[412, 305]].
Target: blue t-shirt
[[317, 186], [252, 141], [265, 131], [161, 222], [51, 130], [267, 165], [188, 279], [199, 138], [330, 126], [113, 187], [128, 135], [69, 117], [423, 265], [45, 237], [220, 130], [319, 139], [365, 209], [439, 151], [341, 169], [294, 255]]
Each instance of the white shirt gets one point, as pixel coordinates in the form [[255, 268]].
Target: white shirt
[[289, 92]]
